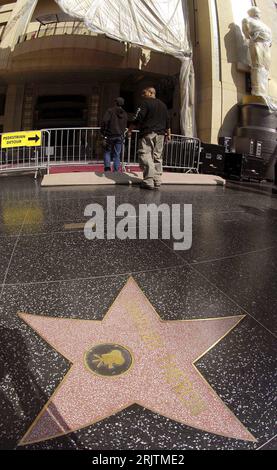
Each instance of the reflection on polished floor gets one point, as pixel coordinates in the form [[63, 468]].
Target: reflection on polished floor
[[111, 344]]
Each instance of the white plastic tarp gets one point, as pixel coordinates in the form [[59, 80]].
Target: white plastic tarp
[[18, 23], [160, 25]]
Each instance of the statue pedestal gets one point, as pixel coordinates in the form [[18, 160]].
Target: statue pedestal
[[257, 132]]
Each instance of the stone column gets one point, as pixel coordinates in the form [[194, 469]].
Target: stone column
[[28, 109], [13, 108], [93, 108]]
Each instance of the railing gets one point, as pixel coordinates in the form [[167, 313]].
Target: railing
[[57, 29], [69, 146], [83, 146], [182, 153]]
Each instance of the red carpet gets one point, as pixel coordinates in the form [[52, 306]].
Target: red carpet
[[84, 168]]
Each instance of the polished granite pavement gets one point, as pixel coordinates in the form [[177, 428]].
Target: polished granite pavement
[[48, 270]]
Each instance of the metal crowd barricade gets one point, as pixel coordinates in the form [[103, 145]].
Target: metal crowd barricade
[[130, 150], [182, 153], [25, 158], [82, 146], [71, 146]]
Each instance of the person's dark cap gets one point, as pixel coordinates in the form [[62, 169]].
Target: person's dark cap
[[120, 101]]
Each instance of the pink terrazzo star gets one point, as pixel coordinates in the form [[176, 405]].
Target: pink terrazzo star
[[162, 376]]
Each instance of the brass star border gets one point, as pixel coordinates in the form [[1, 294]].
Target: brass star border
[[163, 378]]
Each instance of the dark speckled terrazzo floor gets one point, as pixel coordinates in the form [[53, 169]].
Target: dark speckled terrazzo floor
[[49, 271]]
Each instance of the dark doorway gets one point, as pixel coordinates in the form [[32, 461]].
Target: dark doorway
[[2, 104], [129, 100], [61, 111]]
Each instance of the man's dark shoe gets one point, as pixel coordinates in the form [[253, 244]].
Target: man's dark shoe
[[146, 186], [107, 169]]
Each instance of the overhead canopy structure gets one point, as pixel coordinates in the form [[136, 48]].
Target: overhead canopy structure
[[160, 25]]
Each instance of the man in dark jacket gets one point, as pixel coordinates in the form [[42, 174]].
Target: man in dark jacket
[[113, 128], [153, 121]]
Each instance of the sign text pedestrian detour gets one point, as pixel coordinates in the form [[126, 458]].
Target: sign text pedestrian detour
[[21, 139]]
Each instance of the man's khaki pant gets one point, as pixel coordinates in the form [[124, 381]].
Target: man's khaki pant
[[150, 151]]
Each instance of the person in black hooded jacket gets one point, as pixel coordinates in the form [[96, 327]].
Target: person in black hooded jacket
[[113, 128]]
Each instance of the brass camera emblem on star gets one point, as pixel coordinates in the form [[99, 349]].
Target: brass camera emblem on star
[[108, 360]]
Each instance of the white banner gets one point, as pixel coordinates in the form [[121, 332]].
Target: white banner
[[160, 25]]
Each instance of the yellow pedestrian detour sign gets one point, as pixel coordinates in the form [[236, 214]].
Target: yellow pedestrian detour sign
[[21, 139]]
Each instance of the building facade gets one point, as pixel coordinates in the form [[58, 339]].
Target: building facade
[[60, 74]]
